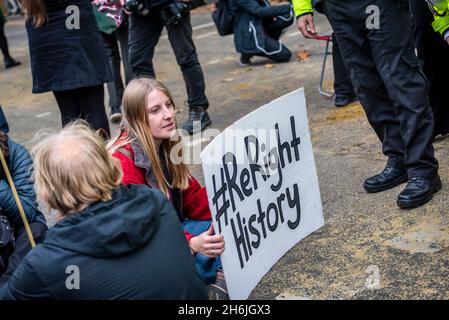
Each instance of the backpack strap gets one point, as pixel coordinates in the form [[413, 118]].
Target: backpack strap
[[126, 153]]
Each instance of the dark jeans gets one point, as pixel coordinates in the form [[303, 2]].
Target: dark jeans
[[4, 42], [342, 83], [388, 79], [112, 42], [144, 33], [274, 29], [83, 103], [206, 267], [13, 255]]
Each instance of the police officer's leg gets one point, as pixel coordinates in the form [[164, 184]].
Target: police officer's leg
[[144, 33], [344, 91], [346, 20], [393, 50], [180, 37]]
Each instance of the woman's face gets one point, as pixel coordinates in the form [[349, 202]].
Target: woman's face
[[161, 116]]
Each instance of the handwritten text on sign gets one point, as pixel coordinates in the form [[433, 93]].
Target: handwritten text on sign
[[263, 189]]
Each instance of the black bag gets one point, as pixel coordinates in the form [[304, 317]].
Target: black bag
[[223, 19], [6, 242], [6, 232]]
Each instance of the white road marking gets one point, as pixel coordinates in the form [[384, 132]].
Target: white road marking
[[206, 35], [198, 27], [41, 115]]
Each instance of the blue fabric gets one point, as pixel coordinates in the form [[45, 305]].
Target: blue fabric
[[21, 168], [207, 267]]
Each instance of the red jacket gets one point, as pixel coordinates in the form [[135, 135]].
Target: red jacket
[[195, 204]]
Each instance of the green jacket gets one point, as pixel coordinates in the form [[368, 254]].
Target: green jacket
[[302, 7], [441, 23]]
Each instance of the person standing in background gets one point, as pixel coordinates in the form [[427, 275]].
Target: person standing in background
[[68, 58], [113, 24], [9, 61]]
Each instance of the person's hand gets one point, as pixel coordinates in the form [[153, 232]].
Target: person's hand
[[208, 244], [306, 26]]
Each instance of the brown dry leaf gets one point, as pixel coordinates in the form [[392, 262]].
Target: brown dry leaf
[[302, 55], [269, 66], [236, 72]]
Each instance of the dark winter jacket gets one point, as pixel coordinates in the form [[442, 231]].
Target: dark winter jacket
[[21, 168], [249, 34], [65, 58], [130, 247]]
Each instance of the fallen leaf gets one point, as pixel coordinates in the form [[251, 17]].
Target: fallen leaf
[[227, 80], [302, 55], [236, 72], [269, 66]]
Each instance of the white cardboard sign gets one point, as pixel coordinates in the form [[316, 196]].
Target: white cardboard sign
[[263, 190]]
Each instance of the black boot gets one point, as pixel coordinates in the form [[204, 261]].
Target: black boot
[[342, 101], [419, 191], [10, 63], [198, 118], [389, 178]]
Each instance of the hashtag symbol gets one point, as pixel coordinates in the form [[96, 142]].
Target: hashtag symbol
[[220, 195]]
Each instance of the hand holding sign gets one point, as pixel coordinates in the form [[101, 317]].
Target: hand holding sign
[[263, 189], [208, 244]]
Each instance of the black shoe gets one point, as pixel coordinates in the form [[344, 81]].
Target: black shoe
[[389, 178], [197, 116], [245, 60], [344, 101], [10, 63], [419, 191]]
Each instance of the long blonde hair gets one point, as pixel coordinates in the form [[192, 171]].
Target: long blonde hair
[[36, 10], [60, 174], [135, 125]]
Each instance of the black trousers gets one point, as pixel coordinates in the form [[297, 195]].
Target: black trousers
[[83, 103], [434, 53], [13, 255], [388, 79], [342, 83], [4, 41], [112, 42], [144, 33]]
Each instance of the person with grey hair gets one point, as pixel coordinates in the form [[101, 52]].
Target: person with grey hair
[[110, 241]]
